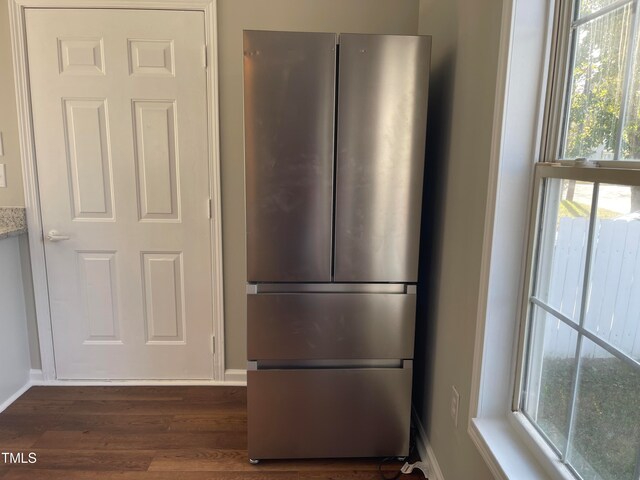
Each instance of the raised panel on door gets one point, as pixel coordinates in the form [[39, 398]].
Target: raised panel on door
[[289, 87], [382, 110], [156, 162], [88, 158], [81, 55], [300, 326], [98, 291], [164, 297]]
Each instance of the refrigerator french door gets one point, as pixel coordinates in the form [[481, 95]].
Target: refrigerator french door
[[334, 156]]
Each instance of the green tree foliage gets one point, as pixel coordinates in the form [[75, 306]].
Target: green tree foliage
[[596, 84], [600, 62]]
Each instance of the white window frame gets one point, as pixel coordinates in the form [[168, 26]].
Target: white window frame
[[502, 438], [526, 127]]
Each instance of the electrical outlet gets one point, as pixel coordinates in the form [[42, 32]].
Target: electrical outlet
[[3, 176], [454, 404]]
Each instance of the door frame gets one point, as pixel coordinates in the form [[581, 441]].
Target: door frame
[[30, 175]]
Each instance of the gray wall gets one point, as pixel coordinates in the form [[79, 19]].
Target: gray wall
[[466, 37], [11, 196], [14, 348], [30, 303], [358, 16]]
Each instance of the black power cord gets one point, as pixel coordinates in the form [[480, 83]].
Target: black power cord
[[385, 460], [412, 448]]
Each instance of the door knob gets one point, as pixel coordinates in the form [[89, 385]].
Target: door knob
[[54, 236]]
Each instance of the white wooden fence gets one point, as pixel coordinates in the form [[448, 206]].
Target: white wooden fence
[[613, 310]]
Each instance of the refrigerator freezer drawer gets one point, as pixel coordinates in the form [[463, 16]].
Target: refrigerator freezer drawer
[[305, 326], [329, 413]]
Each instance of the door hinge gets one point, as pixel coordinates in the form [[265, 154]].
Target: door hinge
[[205, 56], [210, 208], [213, 344]]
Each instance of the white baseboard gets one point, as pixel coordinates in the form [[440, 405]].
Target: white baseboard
[[235, 379], [36, 376], [235, 375], [425, 451], [141, 383], [4, 405]]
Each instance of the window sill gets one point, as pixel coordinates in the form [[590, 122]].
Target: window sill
[[513, 449]]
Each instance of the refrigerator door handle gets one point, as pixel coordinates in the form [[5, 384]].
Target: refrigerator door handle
[[329, 364], [395, 288]]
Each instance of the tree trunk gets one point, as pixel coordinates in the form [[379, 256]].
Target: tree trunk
[[571, 190]]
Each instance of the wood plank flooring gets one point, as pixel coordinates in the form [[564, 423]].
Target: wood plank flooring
[[149, 433]]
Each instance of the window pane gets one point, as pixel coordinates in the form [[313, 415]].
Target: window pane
[[631, 129], [607, 422], [596, 83], [563, 247], [588, 7], [613, 310], [549, 377]]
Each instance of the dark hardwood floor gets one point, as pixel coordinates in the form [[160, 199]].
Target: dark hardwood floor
[[150, 433]]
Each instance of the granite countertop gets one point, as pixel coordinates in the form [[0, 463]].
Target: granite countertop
[[13, 221]]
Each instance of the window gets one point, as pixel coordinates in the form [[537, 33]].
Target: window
[[580, 376]]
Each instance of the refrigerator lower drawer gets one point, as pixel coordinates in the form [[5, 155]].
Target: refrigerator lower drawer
[[329, 413], [288, 326]]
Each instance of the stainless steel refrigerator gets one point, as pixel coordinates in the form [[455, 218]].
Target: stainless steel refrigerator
[[334, 157]]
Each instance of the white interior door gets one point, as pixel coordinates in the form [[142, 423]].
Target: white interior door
[[120, 123]]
